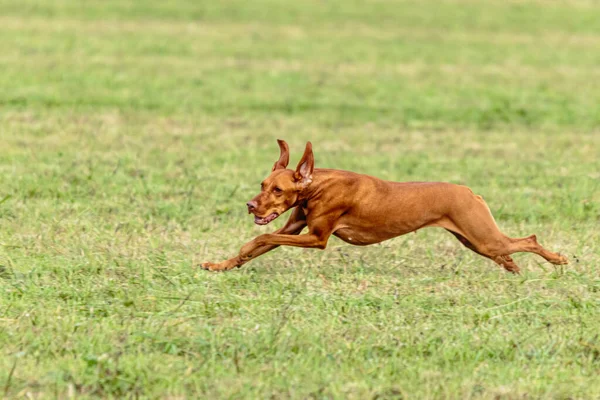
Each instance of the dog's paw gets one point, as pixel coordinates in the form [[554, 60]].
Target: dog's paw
[[224, 266], [208, 266], [562, 260]]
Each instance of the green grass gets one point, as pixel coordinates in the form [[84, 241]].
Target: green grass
[[133, 132]]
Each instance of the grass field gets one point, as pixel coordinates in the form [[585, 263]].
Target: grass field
[[133, 132]]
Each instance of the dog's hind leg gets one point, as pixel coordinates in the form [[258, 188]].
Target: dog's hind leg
[[465, 242], [530, 244], [474, 226], [504, 261]]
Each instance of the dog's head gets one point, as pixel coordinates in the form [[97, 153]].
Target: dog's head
[[281, 190]]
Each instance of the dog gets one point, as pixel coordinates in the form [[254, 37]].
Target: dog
[[363, 210]]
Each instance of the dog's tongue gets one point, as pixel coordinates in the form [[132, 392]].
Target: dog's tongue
[[265, 220]]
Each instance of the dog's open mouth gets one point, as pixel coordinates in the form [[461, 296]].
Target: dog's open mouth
[[263, 221]]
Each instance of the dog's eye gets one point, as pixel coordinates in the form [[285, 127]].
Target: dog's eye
[[277, 190]]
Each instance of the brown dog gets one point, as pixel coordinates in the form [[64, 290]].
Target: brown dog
[[362, 210]]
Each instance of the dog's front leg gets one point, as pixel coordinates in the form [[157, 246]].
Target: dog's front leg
[[251, 250], [316, 238], [256, 247], [309, 240]]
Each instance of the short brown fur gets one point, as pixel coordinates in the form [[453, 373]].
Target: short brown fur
[[362, 210]]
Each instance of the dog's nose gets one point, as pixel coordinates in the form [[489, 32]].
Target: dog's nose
[[251, 205]]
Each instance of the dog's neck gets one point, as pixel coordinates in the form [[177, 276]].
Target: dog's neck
[[314, 189]]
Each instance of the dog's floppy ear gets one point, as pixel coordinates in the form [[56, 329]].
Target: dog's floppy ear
[[284, 156], [305, 167]]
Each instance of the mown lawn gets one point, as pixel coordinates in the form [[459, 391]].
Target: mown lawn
[[133, 132]]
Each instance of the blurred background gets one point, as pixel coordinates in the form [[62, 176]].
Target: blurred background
[[462, 90]]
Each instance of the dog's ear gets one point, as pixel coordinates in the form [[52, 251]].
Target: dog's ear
[[305, 167], [284, 156]]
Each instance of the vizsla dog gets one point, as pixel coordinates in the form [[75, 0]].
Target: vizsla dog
[[362, 210]]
